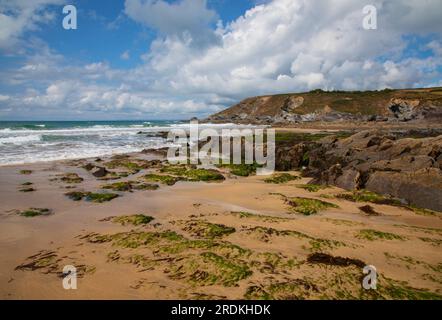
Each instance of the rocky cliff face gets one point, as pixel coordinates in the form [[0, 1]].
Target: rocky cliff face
[[318, 105], [382, 162]]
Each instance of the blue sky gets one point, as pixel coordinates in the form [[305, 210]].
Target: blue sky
[[156, 59], [104, 32]]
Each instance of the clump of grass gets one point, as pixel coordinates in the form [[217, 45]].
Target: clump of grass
[[312, 187], [368, 196], [164, 179], [281, 178], [308, 206], [136, 220], [207, 230], [372, 235], [34, 212], [91, 196], [26, 171]]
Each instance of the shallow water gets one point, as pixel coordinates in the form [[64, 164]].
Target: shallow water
[[36, 141]]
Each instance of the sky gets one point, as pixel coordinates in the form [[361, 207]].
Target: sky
[[176, 59]]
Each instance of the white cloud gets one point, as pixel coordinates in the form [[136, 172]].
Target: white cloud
[[125, 55], [20, 16], [278, 46], [181, 19]]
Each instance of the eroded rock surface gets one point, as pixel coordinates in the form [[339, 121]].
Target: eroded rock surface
[[382, 162]]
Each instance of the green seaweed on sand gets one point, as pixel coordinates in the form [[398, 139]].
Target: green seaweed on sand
[[71, 178], [368, 196], [130, 185], [136, 219], [198, 262], [91, 196], [281, 178], [164, 179], [207, 230], [209, 268], [308, 206], [119, 186], [266, 218], [25, 171], [242, 170], [424, 212], [190, 173], [311, 187], [34, 212], [316, 244], [372, 235]]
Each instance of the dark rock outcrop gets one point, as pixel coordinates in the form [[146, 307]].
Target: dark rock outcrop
[[382, 162]]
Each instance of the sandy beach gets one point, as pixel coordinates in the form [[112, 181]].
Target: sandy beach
[[240, 238]]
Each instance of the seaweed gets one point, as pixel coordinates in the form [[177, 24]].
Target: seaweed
[[308, 206], [371, 235], [281, 178], [34, 212], [91, 196]]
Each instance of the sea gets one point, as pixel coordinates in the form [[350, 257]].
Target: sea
[[24, 142]]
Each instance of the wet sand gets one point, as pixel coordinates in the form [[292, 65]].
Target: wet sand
[[266, 256]]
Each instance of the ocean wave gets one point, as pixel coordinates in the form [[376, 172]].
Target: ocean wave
[[87, 150], [20, 139]]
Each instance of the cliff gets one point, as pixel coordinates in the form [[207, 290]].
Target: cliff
[[318, 105]]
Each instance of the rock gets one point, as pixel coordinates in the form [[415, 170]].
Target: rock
[[89, 166], [288, 158], [403, 109], [349, 179], [381, 162], [99, 172], [422, 188]]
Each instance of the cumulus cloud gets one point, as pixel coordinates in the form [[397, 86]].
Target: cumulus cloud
[[185, 19], [297, 45], [197, 67]]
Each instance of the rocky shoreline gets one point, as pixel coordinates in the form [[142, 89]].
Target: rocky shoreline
[[403, 164]]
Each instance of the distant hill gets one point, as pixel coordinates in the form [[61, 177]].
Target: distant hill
[[319, 105]]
